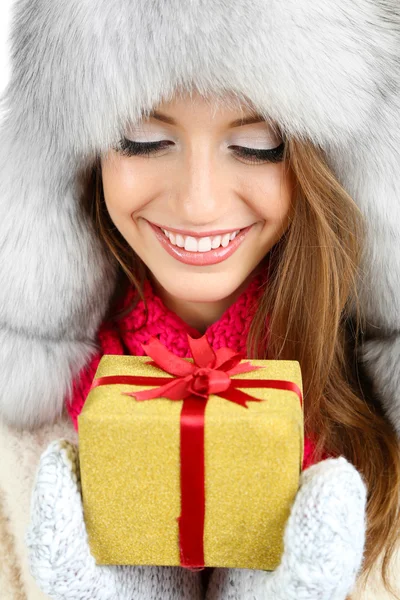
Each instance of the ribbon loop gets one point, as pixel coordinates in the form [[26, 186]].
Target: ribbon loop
[[169, 362], [202, 353]]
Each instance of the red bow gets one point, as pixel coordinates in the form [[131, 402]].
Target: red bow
[[208, 374]]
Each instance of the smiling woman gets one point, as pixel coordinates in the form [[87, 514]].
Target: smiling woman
[[207, 167], [299, 230], [201, 196]]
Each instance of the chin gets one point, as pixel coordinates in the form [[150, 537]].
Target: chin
[[201, 287]]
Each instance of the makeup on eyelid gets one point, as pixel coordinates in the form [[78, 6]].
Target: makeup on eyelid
[[264, 138]]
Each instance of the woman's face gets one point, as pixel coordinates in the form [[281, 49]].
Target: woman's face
[[221, 205]]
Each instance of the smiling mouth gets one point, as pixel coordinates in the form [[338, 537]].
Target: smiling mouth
[[200, 244], [198, 256]]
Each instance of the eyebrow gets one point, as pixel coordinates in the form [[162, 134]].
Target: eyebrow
[[237, 123]]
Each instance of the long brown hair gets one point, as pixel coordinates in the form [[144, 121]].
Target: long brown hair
[[315, 318]]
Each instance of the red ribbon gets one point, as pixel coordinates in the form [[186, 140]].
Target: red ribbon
[[210, 373]]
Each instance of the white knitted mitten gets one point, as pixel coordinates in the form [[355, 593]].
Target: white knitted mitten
[[323, 542], [59, 556]]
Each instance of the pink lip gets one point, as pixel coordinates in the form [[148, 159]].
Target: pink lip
[[197, 234], [200, 258]]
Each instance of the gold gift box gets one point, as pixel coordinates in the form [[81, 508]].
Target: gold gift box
[[130, 469]]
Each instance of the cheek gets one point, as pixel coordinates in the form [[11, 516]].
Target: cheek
[[273, 194], [125, 189]]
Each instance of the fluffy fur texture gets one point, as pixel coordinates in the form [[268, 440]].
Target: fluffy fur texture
[[82, 69]]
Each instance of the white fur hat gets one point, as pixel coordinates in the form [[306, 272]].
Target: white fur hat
[[81, 69]]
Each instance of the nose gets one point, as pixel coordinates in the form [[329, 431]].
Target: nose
[[202, 193]]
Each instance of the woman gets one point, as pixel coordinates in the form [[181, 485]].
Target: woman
[[333, 99]]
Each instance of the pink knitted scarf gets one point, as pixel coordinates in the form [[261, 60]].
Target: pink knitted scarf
[[126, 338]]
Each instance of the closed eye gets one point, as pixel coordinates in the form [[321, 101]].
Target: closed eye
[[253, 155]]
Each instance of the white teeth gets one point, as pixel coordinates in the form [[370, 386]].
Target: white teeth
[[225, 240], [180, 242], [204, 244], [216, 242], [190, 244]]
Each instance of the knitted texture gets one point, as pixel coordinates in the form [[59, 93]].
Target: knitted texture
[[323, 543], [230, 330], [59, 554]]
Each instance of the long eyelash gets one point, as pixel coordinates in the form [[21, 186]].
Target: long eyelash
[[130, 148], [273, 155]]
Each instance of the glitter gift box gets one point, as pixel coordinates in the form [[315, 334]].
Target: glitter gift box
[[202, 469]]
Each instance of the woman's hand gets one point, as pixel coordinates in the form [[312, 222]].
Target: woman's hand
[[59, 554], [323, 542]]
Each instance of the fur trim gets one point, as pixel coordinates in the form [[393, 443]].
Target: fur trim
[[49, 364], [82, 69]]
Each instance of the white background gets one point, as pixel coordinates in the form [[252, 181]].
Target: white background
[[5, 9]]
